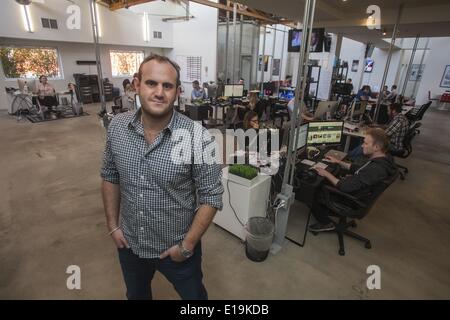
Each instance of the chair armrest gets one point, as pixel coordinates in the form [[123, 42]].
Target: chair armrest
[[332, 190]]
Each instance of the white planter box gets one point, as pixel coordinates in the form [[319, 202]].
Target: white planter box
[[241, 181]]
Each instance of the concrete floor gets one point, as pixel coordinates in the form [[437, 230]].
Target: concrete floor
[[51, 216]]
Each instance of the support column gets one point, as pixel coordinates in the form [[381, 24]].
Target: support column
[[97, 54], [411, 61], [262, 61], [386, 68]]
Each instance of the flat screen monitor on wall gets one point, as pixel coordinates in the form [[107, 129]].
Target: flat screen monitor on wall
[[295, 39], [317, 40]]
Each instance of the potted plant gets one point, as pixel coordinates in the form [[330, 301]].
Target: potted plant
[[243, 174]]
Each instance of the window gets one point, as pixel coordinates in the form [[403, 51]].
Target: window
[[27, 62], [157, 34], [125, 63]]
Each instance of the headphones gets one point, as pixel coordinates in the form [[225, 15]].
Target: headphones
[[312, 152]]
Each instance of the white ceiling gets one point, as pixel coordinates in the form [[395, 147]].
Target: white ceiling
[[429, 18]]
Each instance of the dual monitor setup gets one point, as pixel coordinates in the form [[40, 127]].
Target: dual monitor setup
[[328, 133]]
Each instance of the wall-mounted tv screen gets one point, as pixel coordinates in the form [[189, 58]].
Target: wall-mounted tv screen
[[295, 39], [317, 40]]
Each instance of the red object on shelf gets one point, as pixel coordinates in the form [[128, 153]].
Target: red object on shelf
[[445, 97]]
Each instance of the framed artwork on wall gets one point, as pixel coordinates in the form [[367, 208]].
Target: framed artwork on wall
[[445, 81]]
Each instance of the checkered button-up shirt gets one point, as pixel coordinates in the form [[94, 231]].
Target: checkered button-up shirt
[[397, 130], [159, 196]]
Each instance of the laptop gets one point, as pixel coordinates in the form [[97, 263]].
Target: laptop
[[336, 154]]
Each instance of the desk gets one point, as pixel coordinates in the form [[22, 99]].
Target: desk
[[359, 133]]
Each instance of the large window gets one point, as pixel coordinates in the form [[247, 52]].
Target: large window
[[125, 63], [26, 62]]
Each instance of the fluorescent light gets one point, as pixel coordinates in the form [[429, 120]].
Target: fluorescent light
[[145, 31], [26, 18]]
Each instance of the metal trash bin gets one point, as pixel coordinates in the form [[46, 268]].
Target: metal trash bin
[[259, 238]]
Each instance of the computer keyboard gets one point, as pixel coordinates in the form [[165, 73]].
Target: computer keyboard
[[308, 162]]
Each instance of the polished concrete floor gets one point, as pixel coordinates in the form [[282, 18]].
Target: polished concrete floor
[[51, 217]]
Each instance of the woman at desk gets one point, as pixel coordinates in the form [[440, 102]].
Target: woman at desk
[[251, 120], [255, 104], [46, 93]]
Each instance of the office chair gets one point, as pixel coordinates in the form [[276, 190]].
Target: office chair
[[416, 114], [345, 206], [407, 150]]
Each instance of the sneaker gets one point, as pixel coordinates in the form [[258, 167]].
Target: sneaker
[[319, 227]]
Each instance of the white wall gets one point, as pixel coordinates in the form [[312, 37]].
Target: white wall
[[439, 57], [197, 37], [120, 27], [354, 50], [69, 53]]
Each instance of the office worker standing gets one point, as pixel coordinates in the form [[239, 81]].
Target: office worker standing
[[362, 179], [165, 206]]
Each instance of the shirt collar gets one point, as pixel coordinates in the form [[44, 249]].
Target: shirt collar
[[135, 121]]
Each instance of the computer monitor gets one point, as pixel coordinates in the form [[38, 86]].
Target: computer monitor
[[302, 133], [323, 108], [325, 132], [234, 90]]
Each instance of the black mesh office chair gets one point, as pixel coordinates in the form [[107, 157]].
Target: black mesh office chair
[[416, 114], [345, 206], [407, 148]]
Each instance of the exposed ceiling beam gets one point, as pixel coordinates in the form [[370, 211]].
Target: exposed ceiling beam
[[247, 13], [126, 4]]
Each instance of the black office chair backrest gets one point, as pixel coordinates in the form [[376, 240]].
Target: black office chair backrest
[[407, 143], [376, 192], [422, 110]]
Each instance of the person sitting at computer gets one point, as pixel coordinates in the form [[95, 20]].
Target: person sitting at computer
[[362, 179], [364, 94], [197, 92], [46, 93], [396, 130], [392, 95], [251, 120], [349, 83], [255, 104], [288, 81]]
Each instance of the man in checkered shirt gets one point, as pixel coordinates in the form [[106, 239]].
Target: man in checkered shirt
[[165, 203], [397, 128]]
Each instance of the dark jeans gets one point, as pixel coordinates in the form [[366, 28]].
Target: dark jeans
[[186, 277]]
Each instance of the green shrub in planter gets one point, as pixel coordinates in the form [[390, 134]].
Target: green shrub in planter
[[243, 170]]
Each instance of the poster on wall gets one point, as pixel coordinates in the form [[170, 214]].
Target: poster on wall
[[276, 67], [369, 65], [445, 82], [416, 72], [266, 63], [355, 64]]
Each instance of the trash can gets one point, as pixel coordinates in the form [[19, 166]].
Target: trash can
[[259, 238]]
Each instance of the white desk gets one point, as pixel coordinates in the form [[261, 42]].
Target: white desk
[[247, 202], [406, 109], [359, 133]]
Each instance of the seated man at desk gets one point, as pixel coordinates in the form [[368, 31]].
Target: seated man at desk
[[396, 131], [364, 94], [197, 92], [46, 93], [361, 179]]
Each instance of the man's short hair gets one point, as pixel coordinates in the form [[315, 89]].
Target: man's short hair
[[379, 138], [397, 107], [160, 59], [196, 82]]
